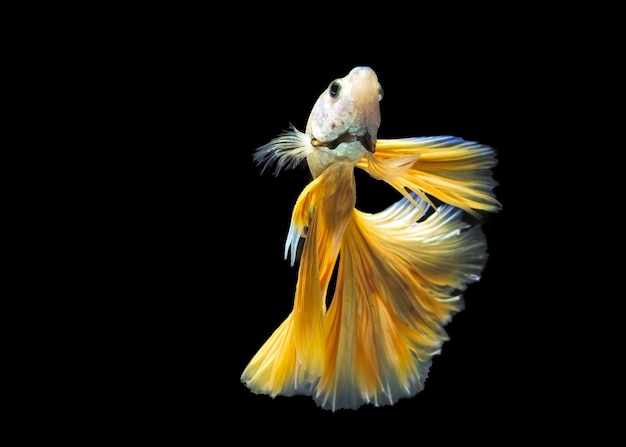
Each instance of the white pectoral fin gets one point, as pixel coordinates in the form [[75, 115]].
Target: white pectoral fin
[[286, 151], [292, 243]]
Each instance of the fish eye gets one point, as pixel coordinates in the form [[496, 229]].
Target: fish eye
[[381, 93], [334, 89]]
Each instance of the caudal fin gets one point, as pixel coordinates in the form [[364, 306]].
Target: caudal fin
[[399, 282]]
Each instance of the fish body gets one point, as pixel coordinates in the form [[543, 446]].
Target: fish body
[[401, 272]]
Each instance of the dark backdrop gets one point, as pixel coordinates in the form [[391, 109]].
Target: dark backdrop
[[204, 232]]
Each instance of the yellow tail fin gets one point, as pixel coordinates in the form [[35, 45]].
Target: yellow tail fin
[[399, 283]]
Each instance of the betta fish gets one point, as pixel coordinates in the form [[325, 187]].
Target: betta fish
[[400, 273]]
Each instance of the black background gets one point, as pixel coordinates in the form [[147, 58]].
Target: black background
[[203, 231]]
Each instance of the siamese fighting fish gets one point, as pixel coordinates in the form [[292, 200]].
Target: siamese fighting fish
[[400, 272]]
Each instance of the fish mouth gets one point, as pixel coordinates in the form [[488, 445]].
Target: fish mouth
[[365, 140]]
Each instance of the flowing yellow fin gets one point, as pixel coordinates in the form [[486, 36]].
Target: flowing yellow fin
[[291, 361], [274, 367], [399, 283], [453, 170]]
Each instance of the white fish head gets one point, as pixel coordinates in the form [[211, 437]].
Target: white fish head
[[347, 111]]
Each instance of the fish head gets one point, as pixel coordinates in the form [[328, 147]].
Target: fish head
[[347, 112]]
